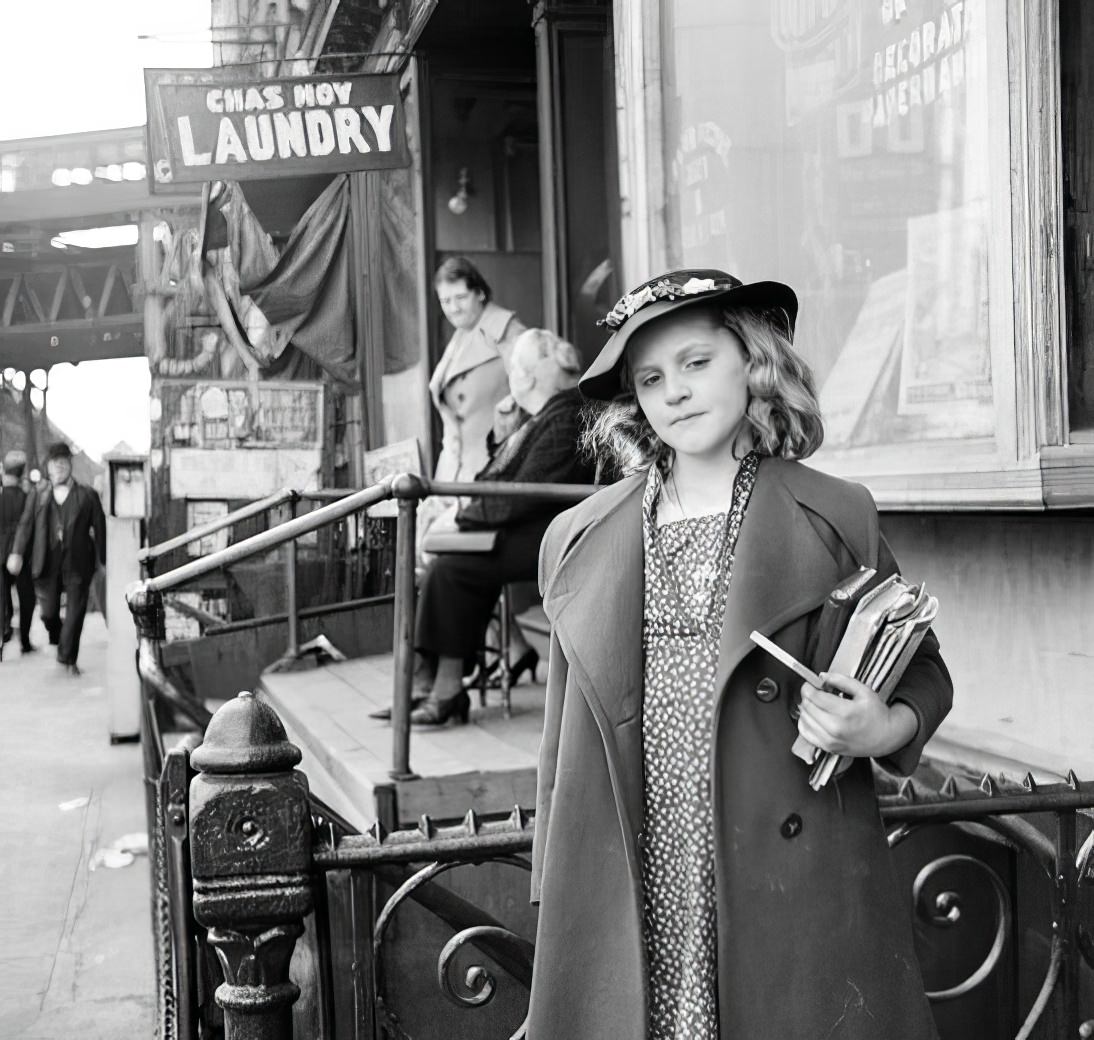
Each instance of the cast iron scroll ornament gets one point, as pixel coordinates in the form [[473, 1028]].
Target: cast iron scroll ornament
[[250, 837], [1016, 832], [501, 944]]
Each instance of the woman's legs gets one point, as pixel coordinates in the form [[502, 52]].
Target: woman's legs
[[457, 599]]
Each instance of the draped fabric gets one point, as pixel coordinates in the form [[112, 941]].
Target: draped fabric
[[301, 296]]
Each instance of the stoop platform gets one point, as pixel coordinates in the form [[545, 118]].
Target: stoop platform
[[489, 765]]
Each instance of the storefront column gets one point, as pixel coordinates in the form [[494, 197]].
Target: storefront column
[[578, 183]]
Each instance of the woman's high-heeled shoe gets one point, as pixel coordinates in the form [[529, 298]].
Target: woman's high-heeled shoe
[[437, 713], [527, 662], [384, 714]]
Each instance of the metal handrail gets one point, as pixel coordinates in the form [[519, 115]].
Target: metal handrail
[[277, 536], [326, 494], [344, 504], [508, 489], [145, 596], [278, 498], [471, 489]]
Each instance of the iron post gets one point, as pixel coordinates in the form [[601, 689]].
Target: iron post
[[1065, 926], [250, 848], [290, 592], [174, 782], [407, 489]]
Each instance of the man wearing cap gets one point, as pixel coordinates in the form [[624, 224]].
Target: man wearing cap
[[64, 525], [12, 500]]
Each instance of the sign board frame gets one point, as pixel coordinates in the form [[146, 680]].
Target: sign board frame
[[232, 123]]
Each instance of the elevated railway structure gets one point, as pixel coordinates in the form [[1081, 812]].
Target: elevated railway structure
[[61, 299]]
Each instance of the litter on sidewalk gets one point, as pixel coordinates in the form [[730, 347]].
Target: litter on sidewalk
[[121, 853]]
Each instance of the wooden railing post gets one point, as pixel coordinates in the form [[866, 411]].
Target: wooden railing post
[[250, 848], [408, 489]]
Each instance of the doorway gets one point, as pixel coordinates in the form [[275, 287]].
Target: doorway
[[520, 159]]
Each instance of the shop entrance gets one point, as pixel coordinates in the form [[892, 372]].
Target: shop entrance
[[519, 158]]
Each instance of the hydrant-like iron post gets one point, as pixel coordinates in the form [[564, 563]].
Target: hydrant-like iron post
[[250, 843]]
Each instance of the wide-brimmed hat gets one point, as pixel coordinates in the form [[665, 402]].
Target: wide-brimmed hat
[[666, 294]]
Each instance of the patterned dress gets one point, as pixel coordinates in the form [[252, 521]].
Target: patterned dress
[[688, 568]]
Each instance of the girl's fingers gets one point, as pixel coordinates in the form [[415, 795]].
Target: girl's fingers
[[825, 701], [845, 684], [813, 728]]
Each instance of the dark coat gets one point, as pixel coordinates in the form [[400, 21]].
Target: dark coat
[[85, 531], [12, 500], [814, 938], [545, 450]]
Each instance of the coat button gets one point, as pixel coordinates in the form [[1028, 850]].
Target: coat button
[[791, 826], [767, 689]]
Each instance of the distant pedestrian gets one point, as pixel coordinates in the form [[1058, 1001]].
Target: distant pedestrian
[[64, 528], [12, 501]]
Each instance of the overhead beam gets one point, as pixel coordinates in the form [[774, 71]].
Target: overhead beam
[[82, 203], [53, 343]]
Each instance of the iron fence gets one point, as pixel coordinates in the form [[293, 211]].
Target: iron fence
[[264, 853]]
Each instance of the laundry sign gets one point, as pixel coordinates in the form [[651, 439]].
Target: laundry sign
[[211, 124]]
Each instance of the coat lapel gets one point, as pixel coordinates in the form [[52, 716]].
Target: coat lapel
[[595, 605], [782, 569]]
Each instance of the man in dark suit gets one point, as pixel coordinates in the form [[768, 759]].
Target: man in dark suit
[[12, 500], [64, 525]]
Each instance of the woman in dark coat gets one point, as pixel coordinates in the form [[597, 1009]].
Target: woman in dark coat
[[459, 591], [691, 883]]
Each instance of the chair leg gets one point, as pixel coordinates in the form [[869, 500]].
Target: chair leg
[[484, 677], [506, 676]]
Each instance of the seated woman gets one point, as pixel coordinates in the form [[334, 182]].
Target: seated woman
[[459, 592]]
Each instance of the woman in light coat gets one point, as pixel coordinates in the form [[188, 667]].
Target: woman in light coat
[[691, 883], [470, 380]]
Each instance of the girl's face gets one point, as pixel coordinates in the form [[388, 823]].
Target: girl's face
[[690, 375], [462, 306]]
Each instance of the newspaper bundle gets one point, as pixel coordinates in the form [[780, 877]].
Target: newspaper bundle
[[874, 642]]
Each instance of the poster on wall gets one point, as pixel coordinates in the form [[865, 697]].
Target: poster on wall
[[227, 413], [204, 511], [219, 124], [241, 475], [945, 364], [392, 459]]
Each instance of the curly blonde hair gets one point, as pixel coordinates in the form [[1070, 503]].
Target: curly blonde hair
[[783, 415]]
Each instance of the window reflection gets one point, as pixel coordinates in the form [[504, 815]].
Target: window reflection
[[843, 146]]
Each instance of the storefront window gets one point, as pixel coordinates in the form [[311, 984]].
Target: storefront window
[[847, 148], [1077, 98]]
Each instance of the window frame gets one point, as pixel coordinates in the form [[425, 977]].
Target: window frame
[[1031, 462]]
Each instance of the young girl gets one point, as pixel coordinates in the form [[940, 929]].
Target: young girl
[[691, 884]]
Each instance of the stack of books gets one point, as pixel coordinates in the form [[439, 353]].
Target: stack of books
[[868, 630]]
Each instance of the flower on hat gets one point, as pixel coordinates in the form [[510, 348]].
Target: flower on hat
[[664, 289], [697, 285]]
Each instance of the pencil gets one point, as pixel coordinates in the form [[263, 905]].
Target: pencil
[[789, 660]]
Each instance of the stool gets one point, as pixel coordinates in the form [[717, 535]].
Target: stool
[[448, 541]]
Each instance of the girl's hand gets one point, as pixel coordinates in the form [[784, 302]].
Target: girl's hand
[[861, 724]]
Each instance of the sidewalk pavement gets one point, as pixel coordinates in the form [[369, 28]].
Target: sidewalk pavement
[[76, 957]]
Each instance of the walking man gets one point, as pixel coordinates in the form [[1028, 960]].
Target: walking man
[[12, 500], [64, 525]]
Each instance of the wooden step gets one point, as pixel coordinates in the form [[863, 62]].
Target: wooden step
[[487, 765]]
